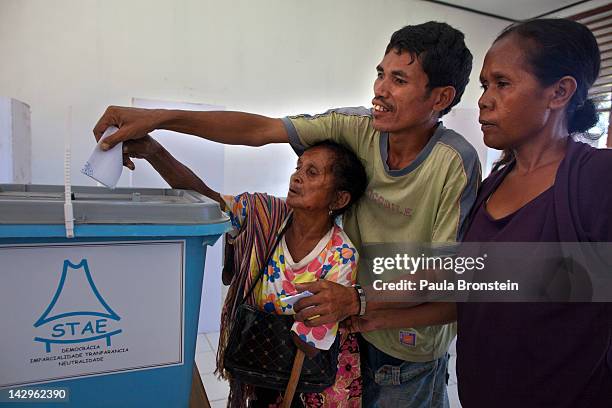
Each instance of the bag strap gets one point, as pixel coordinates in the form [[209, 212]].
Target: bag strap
[[279, 236]]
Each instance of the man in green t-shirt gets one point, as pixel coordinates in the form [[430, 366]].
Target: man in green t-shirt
[[422, 177]]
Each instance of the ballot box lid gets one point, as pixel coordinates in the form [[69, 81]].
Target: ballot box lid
[[30, 204]]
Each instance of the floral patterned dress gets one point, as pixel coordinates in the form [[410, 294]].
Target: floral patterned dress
[[334, 258]]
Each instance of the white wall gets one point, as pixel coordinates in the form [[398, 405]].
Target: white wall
[[273, 57]]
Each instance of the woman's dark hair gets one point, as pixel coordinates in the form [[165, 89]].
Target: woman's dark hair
[[442, 52], [555, 48], [349, 173]]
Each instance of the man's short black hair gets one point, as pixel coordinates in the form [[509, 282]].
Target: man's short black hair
[[442, 52]]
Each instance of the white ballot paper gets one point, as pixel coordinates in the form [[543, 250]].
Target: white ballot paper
[[105, 166], [291, 300]]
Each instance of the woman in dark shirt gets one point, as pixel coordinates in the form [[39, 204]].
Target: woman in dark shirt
[[546, 188]]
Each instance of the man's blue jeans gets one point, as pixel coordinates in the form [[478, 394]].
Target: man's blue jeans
[[392, 383]]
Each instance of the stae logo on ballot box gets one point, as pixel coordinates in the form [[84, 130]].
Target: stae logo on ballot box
[[88, 309], [83, 324]]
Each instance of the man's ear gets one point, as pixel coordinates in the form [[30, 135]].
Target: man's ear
[[443, 97], [342, 200], [562, 92]]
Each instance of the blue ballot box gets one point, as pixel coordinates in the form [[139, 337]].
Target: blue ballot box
[[108, 318]]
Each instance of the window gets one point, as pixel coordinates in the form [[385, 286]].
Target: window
[[599, 21]]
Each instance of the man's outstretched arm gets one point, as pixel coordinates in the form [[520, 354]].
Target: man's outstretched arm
[[236, 128]]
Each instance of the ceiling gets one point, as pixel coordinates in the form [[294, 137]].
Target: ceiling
[[514, 9]]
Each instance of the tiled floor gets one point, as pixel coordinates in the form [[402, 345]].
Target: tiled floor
[[217, 391], [206, 351], [452, 381]]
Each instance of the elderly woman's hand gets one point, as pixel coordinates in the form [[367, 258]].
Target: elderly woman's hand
[[142, 148], [330, 303]]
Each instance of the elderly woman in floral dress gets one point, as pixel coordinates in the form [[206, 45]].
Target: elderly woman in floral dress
[[327, 180]]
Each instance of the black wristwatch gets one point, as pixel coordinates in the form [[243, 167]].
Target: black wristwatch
[[362, 299]]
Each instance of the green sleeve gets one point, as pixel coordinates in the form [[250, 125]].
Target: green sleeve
[[457, 198], [350, 127]]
